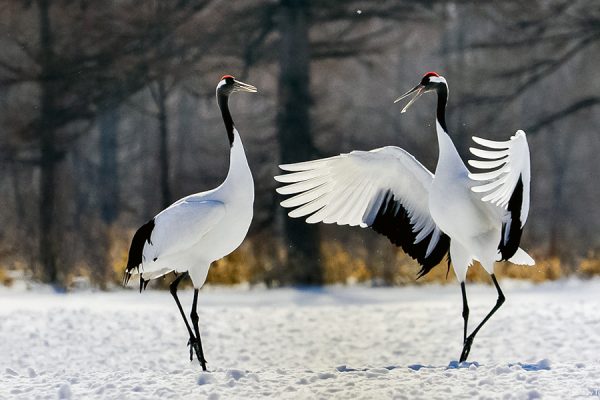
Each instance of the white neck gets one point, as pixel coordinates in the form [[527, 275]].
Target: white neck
[[239, 178], [449, 162]]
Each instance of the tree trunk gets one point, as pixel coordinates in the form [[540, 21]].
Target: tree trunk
[[560, 160], [22, 188], [161, 100], [48, 155], [293, 129], [108, 123]]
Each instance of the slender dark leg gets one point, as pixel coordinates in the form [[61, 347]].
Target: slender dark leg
[[173, 290], [465, 313], [197, 344], [469, 341]]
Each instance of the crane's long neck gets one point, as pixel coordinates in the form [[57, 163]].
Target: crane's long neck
[[449, 161], [442, 93], [223, 101], [239, 177]]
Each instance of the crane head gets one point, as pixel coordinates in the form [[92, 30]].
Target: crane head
[[228, 84], [429, 82]]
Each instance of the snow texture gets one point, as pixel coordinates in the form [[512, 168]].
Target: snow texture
[[336, 342]]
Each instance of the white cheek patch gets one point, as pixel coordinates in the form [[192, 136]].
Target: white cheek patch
[[222, 83], [437, 79]]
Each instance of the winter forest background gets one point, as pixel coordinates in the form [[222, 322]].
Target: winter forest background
[[107, 115]]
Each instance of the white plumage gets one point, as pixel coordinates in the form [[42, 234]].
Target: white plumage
[[204, 227], [475, 216], [350, 189], [506, 162], [201, 228]]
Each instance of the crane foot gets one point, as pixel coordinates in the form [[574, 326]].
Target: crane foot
[[466, 349], [194, 345]]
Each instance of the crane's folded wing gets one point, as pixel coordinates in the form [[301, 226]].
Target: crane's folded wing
[[181, 226], [385, 189]]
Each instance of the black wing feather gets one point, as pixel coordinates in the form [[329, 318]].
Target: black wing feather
[[393, 221], [510, 244]]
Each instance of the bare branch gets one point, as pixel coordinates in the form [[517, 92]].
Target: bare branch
[[564, 113]]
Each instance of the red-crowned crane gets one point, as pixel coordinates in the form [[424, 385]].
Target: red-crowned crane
[[469, 216], [196, 230]]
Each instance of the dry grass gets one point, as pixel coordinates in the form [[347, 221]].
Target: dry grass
[[118, 253], [262, 259], [252, 263], [590, 265], [256, 260], [342, 267], [238, 267], [549, 269], [5, 279]]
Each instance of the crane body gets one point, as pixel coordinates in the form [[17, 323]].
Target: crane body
[[192, 233], [456, 213]]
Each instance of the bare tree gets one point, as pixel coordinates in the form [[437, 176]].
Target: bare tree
[[297, 52], [80, 61], [108, 124], [546, 36], [540, 45], [293, 125]]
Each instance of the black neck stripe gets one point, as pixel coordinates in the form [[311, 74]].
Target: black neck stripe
[[442, 91], [223, 101]]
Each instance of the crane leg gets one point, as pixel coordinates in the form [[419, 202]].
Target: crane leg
[[197, 343], [469, 340], [465, 313], [173, 290]]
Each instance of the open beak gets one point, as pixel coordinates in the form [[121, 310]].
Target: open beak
[[417, 90], [243, 87]]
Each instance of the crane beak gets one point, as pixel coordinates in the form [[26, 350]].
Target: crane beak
[[243, 87], [418, 90]]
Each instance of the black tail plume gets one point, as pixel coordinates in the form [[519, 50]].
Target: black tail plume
[[136, 250]]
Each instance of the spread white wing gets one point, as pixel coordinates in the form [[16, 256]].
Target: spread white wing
[[386, 189], [506, 163], [505, 181]]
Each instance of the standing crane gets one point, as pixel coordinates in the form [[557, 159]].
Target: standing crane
[[192, 233], [467, 216]]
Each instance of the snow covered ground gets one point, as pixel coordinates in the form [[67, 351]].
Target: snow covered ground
[[356, 342]]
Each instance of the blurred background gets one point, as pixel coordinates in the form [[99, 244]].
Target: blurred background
[[108, 115]]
